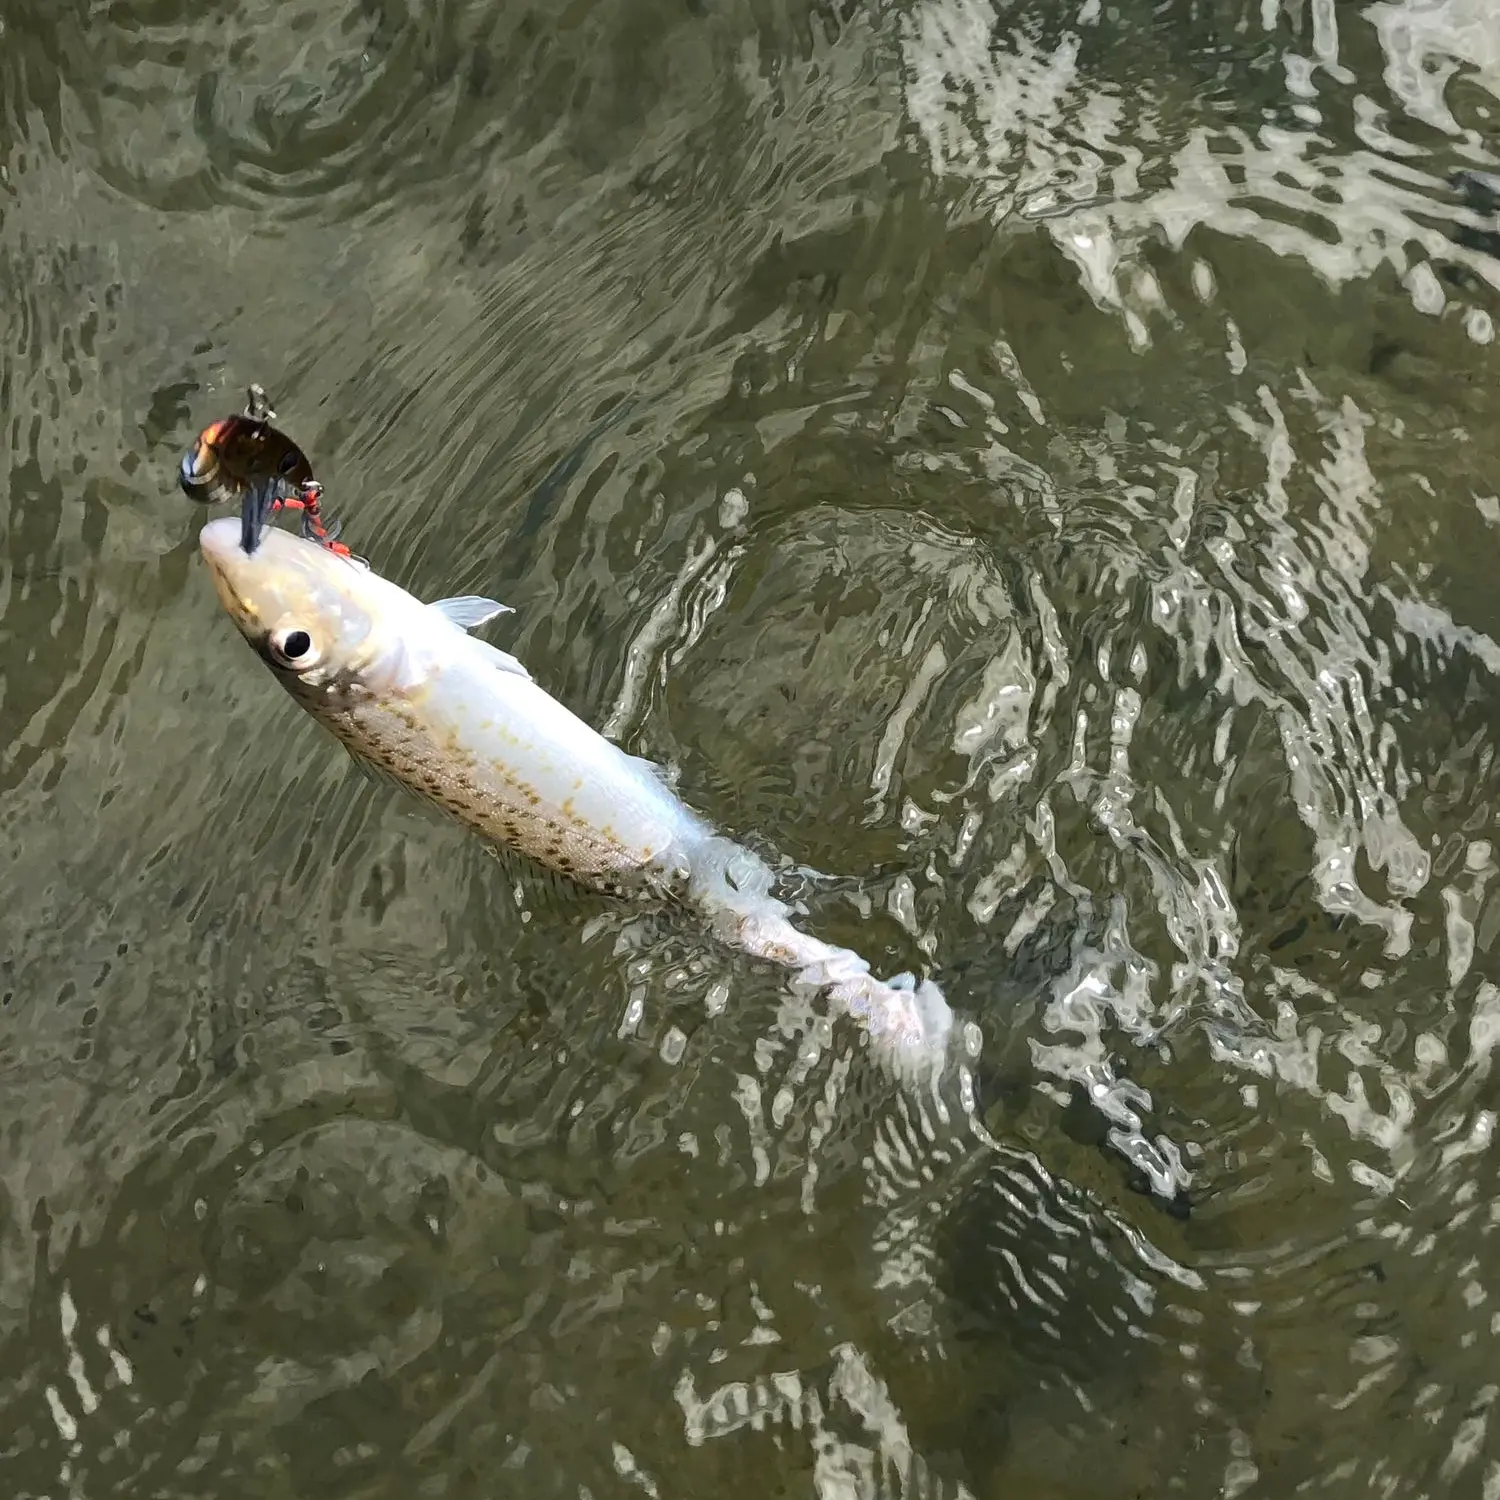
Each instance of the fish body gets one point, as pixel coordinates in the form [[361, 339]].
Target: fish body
[[462, 724]]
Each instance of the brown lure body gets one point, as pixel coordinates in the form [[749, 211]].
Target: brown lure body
[[234, 455], [243, 460]]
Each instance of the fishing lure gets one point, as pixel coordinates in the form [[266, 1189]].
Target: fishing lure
[[244, 460]]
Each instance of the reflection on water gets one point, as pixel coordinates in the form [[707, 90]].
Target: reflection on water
[[1029, 469]]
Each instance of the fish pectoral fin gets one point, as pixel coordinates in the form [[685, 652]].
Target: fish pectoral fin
[[469, 610]]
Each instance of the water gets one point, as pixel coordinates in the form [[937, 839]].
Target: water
[[1031, 468]]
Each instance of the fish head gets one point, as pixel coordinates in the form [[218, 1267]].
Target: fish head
[[327, 627]]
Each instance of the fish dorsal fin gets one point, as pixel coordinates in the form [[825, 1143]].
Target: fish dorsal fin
[[468, 610]]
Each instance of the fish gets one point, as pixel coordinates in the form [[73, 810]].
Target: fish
[[414, 695]]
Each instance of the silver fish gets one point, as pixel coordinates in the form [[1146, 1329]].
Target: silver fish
[[463, 725]]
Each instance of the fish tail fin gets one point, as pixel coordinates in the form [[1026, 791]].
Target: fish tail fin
[[908, 1024]]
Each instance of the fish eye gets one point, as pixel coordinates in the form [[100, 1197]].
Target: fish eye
[[292, 647]]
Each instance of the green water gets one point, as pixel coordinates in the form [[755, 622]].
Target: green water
[[1034, 466]]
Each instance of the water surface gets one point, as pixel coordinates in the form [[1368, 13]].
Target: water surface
[[1030, 468]]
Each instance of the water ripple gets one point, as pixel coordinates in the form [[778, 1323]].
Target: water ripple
[[326, 110], [1106, 171], [1030, 472]]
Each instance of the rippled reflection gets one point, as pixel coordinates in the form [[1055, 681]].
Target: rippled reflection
[[1027, 469]]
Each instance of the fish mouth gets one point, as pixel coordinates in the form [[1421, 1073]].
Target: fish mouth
[[219, 541], [221, 544]]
